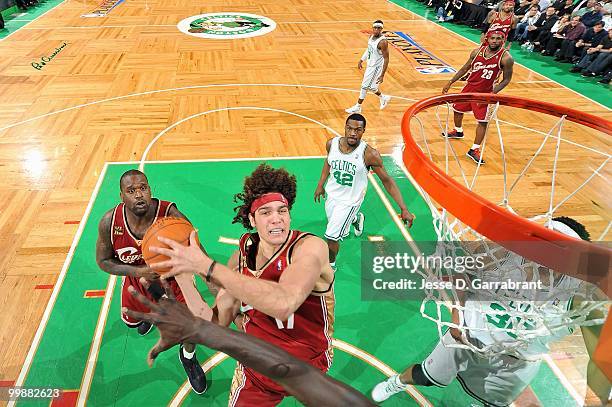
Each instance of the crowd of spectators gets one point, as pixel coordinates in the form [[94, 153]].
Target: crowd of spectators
[[577, 32]]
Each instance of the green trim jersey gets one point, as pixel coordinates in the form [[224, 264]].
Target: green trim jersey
[[348, 180], [375, 56], [489, 324]]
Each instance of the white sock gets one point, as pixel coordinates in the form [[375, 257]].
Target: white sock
[[188, 355], [399, 382], [459, 129], [475, 146]]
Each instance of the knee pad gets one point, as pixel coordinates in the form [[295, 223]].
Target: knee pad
[[418, 377]]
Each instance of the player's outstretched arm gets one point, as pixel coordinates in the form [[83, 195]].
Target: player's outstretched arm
[[464, 69], [176, 324], [277, 299], [507, 64], [105, 255], [374, 161]]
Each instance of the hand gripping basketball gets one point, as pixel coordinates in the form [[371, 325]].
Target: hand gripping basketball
[[181, 259], [176, 230]]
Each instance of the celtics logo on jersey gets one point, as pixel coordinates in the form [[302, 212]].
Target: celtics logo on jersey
[[343, 172], [226, 25]]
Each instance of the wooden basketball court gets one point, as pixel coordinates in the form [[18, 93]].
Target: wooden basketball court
[[131, 83]]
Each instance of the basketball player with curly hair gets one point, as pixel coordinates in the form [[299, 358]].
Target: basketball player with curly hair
[[280, 279]]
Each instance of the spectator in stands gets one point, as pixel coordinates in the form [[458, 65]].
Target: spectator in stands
[[607, 76], [544, 4], [596, 58], [571, 49], [572, 31], [591, 17], [524, 7], [545, 36], [528, 21], [581, 9], [566, 8], [541, 27], [447, 12], [607, 20], [1, 22]]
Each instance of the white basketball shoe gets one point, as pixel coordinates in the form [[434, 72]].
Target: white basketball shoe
[[383, 390], [384, 101], [354, 109]]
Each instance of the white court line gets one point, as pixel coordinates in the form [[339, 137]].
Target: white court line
[[91, 362], [151, 92], [269, 109], [546, 81], [516, 63], [57, 287], [30, 21], [92, 359], [336, 343], [549, 361], [174, 25]]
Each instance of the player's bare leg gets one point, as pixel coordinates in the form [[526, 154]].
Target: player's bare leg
[[457, 133], [474, 152], [334, 248]]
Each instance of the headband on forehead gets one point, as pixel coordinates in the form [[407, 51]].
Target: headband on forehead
[[377, 25], [267, 198], [490, 33]]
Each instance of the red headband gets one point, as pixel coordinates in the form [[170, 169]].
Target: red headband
[[267, 198], [490, 33]]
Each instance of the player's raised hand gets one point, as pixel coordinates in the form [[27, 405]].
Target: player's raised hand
[[360, 65], [319, 192], [176, 324], [181, 259]]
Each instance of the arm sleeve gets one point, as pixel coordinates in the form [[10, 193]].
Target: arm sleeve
[[364, 57]]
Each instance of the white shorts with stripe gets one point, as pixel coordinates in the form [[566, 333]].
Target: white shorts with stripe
[[340, 216], [496, 380], [370, 78]]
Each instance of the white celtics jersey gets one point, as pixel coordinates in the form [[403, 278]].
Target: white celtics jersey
[[375, 56], [348, 178], [483, 315]]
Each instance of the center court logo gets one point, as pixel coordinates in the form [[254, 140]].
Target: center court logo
[[226, 25]]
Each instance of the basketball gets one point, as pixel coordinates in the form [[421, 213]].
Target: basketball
[[177, 229]]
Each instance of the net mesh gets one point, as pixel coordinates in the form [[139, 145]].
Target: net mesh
[[542, 305]]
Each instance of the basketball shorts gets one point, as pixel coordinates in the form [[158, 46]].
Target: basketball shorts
[[131, 303], [370, 78], [495, 381], [340, 216], [481, 111], [250, 388]]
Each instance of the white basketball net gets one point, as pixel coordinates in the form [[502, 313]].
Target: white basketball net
[[503, 320]]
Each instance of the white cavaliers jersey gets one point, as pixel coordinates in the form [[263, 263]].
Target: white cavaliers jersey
[[483, 315], [348, 180], [375, 56]]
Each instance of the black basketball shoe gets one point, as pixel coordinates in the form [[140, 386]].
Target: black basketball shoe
[[195, 373]]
